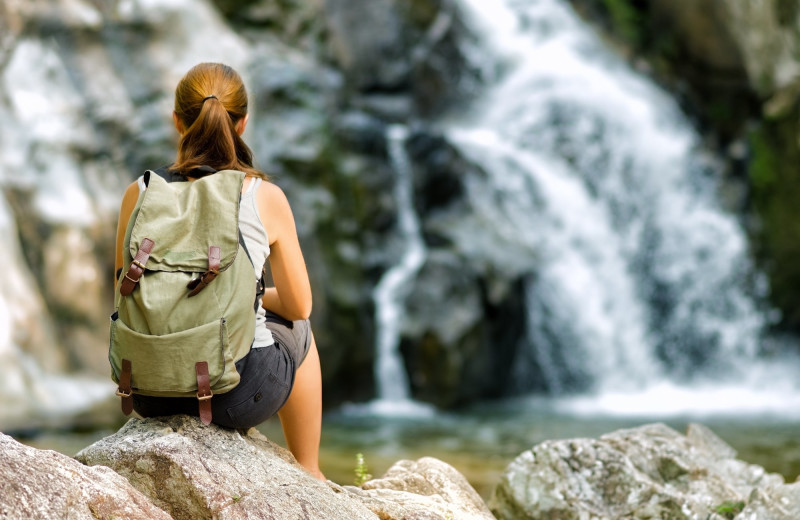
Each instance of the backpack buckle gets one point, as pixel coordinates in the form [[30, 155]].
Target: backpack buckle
[[200, 283], [136, 270], [124, 389]]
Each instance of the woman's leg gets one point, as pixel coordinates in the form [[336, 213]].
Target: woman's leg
[[301, 416]]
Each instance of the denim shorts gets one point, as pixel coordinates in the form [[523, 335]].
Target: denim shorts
[[267, 376]]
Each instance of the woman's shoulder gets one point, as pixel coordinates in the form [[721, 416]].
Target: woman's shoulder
[[271, 193]]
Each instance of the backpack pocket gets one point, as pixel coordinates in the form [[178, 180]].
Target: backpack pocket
[[165, 365]]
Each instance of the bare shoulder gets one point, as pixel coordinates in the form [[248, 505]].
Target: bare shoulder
[[130, 196], [132, 189], [271, 198], [275, 213]]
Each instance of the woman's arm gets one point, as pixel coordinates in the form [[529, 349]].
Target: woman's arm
[[291, 296], [126, 209]]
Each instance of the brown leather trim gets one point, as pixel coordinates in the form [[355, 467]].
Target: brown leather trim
[[214, 256], [124, 391], [137, 267], [204, 393], [200, 283]]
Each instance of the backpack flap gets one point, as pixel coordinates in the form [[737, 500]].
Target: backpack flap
[[185, 219]]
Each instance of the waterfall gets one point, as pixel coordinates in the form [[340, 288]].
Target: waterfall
[[393, 288], [639, 276]]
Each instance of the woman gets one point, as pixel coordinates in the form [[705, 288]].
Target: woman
[[281, 373]]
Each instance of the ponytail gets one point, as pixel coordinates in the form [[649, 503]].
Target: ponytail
[[209, 102]]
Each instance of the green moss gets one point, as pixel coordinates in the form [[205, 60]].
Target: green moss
[[625, 19], [764, 165], [729, 510], [786, 11], [775, 184]]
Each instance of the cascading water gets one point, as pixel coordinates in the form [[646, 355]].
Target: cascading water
[[393, 288], [639, 277]]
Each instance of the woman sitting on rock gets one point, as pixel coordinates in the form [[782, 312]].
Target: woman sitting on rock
[[280, 369]]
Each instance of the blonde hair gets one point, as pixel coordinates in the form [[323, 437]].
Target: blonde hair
[[209, 101]]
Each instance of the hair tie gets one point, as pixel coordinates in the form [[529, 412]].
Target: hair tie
[[209, 97]]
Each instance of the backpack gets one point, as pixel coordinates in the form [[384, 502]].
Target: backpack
[[185, 308]]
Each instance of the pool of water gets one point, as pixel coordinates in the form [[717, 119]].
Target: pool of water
[[482, 440]]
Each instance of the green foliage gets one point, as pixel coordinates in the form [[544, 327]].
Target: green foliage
[[362, 471], [729, 509], [764, 165], [625, 19], [236, 498], [231, 7]]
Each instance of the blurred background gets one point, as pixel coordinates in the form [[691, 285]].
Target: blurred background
[[523, 219]]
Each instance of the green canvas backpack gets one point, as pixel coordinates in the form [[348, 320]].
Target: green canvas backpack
[[184, 310]]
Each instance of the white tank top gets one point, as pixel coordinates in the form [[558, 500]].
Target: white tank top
[[257, 244]]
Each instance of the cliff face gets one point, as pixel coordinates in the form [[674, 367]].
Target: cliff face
[[83, 110]]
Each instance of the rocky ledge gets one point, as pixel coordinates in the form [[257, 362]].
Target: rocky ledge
[[177, 468]]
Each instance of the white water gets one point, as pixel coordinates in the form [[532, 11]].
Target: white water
[[641, 288], [390, 293]]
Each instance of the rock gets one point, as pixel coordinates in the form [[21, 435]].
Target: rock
[[766, 34], [646, 472], [781, 502], [193, 471], [426, 489], [45, 484], [390, 46]]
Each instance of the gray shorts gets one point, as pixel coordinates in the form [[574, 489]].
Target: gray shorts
[[267, 377]]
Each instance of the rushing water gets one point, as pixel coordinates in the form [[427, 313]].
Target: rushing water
[[641, 283]]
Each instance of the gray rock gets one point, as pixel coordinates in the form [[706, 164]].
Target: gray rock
[[647, 472], [730, 35], [426, 489], [369, 42], [45, 484], [194, 472]]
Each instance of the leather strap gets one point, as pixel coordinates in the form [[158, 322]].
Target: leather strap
[[204, 392], [198, 284], [124, 390], [136, 269]]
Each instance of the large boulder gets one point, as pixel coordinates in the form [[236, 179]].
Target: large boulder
[[45, 484], [197, 472], [647, 472], [194, 472]]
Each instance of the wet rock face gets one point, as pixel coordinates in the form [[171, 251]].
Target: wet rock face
[[401, 58], [85, 109], [45, 484], [647, 472]]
